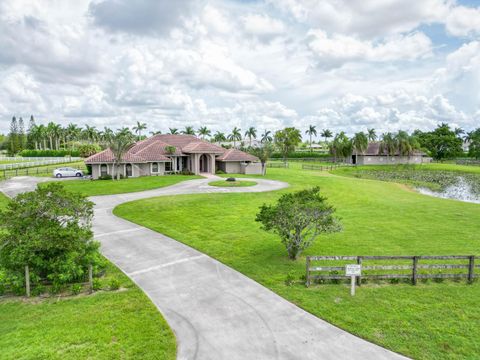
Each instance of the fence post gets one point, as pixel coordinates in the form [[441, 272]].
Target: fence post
[[308, 271], [414, 272], [90, 277], [359, 278], [471, 267], [27, 280]]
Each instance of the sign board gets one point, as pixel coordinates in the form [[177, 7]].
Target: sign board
[[353, 270]]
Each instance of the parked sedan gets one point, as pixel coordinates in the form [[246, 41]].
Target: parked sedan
[[67, 172]]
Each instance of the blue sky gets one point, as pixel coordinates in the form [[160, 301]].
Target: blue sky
[[337, 64]]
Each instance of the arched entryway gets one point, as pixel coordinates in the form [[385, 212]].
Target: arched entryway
[[204, 163], [128, 170]]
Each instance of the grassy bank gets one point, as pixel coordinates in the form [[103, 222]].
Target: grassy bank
[[428, 321], [121, 324]]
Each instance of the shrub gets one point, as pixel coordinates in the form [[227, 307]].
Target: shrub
[[219, 172], [114, 284], [97, 284], [105, 177], [230, 179], [87, 150], [49, 153], [76, 289], [50, 230], [186, 172], [38, 290], [290, 279]]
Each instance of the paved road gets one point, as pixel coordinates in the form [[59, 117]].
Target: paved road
[[216, 312]]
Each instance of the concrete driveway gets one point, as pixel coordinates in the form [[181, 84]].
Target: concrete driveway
[[216, 312]]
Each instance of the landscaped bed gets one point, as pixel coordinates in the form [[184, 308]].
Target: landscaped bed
[[433, 320], [108, 187], [234, 183]]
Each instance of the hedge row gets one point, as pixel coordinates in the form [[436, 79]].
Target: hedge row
[[49, 153], [303, 154]]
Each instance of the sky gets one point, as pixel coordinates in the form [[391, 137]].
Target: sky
[[338, 64]]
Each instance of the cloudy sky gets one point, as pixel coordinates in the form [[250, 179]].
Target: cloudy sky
[[338, 64]]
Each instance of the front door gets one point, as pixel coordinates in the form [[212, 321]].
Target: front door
[[128, 170], [204, 163]]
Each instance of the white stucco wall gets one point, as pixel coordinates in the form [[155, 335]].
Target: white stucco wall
[[252, 169]]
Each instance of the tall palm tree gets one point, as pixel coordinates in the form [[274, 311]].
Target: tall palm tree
[[90, 133], [388, 145], [73, 133], [42, 135], [107, 134], [119, 145], [359, 143], [326, 134], [173, 131], [266, 137], [405, 143], [341, 146], [235, 136], [203, 132], [311, 131], [251, 133], [219, 137], [189, 130], [139, 128], [372, 135], [155, 132]]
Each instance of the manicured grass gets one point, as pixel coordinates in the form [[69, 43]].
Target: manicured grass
[[122, 324], [237, 183], [108, 187], [427, 321]]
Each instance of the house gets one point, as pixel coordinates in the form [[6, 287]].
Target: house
[[164, 154], [373, 156]]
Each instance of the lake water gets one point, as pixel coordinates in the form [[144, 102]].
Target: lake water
[[461, 191]]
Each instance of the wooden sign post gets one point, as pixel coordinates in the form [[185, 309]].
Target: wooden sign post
[[353, 270]]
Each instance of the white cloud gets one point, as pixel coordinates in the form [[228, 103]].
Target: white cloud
[[262, 27], [463, 21], [334, 51]]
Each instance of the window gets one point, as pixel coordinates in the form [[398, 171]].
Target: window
[[103, 170], [154, 167], [168, 166]]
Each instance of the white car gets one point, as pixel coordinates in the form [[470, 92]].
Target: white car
[[67, 172]]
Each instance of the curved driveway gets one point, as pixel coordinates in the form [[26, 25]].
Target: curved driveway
[[216, 312]]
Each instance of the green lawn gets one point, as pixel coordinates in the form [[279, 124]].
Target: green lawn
[[108, 187], [428, 321], [237, 183], [122, 324]]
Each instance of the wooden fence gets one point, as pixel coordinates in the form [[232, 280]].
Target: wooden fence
[[277, 165], [35, 171], [319, 167], [411, 267]]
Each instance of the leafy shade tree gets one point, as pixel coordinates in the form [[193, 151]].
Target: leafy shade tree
[[474, 147], [139, 128], [251, 133], [263, 153], [204, 132], [442, 143], [311, 131], [326, 134], [371, 134], [235, 136], [119, 145], [266, 137], [299, 218], [49, 230], [189, 130], [341, 146], [286, 140]]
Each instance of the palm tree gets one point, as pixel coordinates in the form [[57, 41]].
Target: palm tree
[[359, 143], [107, 134], [341, 146], [266, 137], [189, 130], [235, 136], [173, 131], [204, 131], [311, 131], [90, 133], [326, 134], [372, 136], [73, 133], [139, 128], [42, 135], [155, 132], [219, 137], [119, 145], [251, 133], [388, 145]]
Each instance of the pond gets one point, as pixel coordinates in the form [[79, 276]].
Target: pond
[[462, 190]]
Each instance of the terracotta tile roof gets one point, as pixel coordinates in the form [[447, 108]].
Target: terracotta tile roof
[[202, 147], [236, 155], [154, 149]]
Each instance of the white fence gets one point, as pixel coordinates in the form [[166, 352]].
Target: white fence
[[32, 162]]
